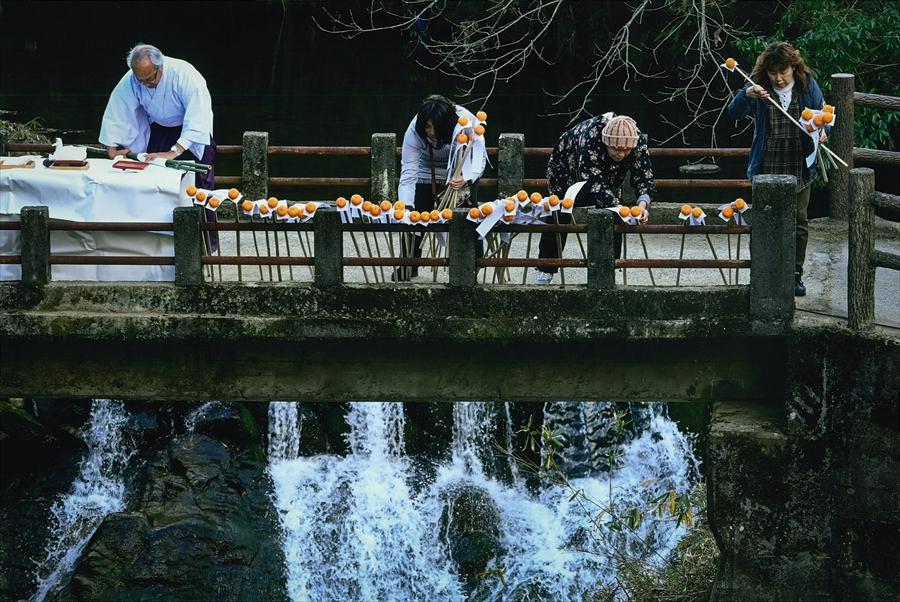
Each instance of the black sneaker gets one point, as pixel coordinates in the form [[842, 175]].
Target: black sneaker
[[799, 287]]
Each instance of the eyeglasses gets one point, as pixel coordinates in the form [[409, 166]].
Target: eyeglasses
[[149, 80]]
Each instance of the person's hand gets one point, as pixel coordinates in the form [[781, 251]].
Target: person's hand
[[757, 92], [822, 136], [645, 215], [168, 156], [114, 152], [456, 183]]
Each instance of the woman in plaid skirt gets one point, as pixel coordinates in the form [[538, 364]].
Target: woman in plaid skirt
[[779, 146]]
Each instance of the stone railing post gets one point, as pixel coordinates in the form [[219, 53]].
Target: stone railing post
[[463, 267], [510, 164], [384, 167], [4, 142], [35, 237], [772, 245], [255, 165], [601, 260], [188, 246], [860, 269], [329, 248], [841, 141]]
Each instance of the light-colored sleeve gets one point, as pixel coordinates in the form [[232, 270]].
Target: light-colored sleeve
[[409, 164], [197, 128], [125, 122]]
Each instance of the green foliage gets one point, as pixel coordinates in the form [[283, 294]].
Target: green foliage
[[32, 132], [862, 38]]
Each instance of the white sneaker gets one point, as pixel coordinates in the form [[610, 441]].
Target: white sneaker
[[543, 278]]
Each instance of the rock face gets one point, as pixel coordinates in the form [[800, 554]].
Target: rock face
[[200, 525], [471, 522]]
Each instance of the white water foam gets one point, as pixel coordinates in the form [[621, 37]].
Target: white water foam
[[98, 490]]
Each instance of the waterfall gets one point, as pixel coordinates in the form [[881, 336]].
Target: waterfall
[[351, 527], [195, 415], [368, 527], [284, 431], [98, 490]]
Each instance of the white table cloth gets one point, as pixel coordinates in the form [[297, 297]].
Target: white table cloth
[[101, 194]]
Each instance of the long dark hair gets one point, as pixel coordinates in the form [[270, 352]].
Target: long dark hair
[[777, 57], [441, 112]]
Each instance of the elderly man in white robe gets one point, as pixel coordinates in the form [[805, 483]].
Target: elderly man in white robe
[[161, 106]]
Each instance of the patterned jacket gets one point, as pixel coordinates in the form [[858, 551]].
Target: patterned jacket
[[580, 155]]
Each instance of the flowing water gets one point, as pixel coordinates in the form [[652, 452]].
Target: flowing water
[[98, 490], [368, 526]]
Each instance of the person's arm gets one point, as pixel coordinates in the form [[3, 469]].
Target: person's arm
[[409, 165], [197, 126], [125, 124], [642, 177], [742, 103]]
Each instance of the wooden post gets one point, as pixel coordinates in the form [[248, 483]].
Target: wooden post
[[510, 164], [841, 142], [35, 237], [384, 167], [601, 260], [188, 246], [860, 269], [462, 259], [772, 248], [255, 165], [329, 248], [4, 141]]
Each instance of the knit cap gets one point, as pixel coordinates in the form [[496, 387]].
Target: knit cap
[[620, 132]]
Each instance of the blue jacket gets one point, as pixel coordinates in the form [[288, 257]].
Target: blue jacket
[[758, 108]]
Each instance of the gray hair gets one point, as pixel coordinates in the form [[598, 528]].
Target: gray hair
[[144, 51]]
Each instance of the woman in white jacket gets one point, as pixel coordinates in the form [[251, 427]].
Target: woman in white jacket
[[431, 158]]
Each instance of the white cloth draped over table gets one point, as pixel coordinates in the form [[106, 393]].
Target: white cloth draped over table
[[180, 98], [98, 194]]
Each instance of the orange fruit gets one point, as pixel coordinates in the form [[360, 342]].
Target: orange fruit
[[474, 213], [367, 206], [233, 194], [214, 202], [399, 206], [356, 199], [264, 210], [509, 206], [828, 109], [536, 197], [462, 138], [522, 195], [481, 116], [819, 120], [463, 120], [740, 203], [479, 129], [697, 212], [568, 203], [299, 210], [247, 206], [487, 209], [272, 202], [807, 114], [200, 196], [414, 216], [685, 209], [447, 214], [727, 212], [636, 211], [827, 117], [730, 63], [293, 211], [341, 202], [386, 205], [435, 215], [425, 217], [375, 211], [624, 211], [282, 210], [398, 215], [191, 190], [553, 200], [810, 128], [508, 218], [311, 207]]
